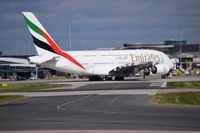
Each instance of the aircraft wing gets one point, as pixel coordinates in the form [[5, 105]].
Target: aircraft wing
[[130, 68]]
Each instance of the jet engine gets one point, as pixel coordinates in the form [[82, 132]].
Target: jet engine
[[161, 69]]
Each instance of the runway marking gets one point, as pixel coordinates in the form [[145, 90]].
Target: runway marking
[[160, 84], [164, 85], [115, 99], [126, 113], [118, 86], [61, 107], [73, 101], [156, 84]]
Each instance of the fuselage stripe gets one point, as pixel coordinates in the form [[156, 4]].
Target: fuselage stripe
[[60, 52]]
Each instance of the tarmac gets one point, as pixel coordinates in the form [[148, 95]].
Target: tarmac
[[98, 107]]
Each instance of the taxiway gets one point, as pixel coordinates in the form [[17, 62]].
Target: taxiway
[[98, 106]]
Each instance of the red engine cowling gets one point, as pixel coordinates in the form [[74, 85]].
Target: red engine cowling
[[161, 69]]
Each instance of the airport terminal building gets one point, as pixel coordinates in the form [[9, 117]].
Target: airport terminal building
[[18, 66]]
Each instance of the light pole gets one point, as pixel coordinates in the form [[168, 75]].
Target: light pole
[[36, 72], [180, 50], [70, 41], [180, 54]]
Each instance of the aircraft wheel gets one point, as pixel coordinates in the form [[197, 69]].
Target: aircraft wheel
[[95, 78], [108, 78], [118, 78], [163, 77]]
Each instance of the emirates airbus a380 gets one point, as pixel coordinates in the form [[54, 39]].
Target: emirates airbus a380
[[98, 65]]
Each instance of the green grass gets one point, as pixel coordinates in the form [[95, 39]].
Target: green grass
[[183, 98], [9, 99], [184, 85], [24, 87]]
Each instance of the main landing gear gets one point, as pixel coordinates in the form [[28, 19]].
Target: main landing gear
[[95, 78], [106, 78]]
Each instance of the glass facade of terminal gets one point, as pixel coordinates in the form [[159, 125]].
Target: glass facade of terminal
[[175, 42]]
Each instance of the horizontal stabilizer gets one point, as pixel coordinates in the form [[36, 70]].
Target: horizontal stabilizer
[[41, 59]]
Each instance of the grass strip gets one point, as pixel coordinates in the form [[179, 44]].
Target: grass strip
[[10, 99], [24, 87], [183, 98], [184, 85]]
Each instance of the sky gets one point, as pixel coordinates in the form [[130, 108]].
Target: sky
[[99, 23]]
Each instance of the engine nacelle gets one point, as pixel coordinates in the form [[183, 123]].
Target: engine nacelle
[[161, 69]]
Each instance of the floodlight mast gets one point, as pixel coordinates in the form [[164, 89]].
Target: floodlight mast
[[180, 50], [70, 41]]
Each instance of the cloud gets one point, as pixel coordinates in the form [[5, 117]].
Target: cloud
[[102, 23]]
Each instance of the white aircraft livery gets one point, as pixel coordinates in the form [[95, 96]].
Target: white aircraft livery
[[98, 65]]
